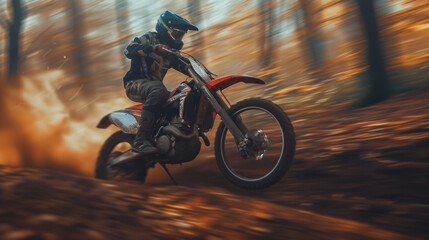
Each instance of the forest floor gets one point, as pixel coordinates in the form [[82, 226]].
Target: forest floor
[[357, 174]]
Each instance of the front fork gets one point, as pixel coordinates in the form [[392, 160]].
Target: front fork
[[234, 124], [226, 119], [237, 127]]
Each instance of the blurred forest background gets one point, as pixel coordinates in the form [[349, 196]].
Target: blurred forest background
[[62, 63]]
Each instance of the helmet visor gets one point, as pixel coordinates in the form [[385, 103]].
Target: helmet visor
[[177, 34]]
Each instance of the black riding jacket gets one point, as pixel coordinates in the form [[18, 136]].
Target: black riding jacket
[[146, 64]]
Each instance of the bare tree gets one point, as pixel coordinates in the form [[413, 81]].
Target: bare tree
[[194, 7], [266, 38], [379, 88], [310, 37], [78, 41], [13, 28], [122, 22]]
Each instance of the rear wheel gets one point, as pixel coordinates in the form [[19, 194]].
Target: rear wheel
[[270, 145], [114, 146]]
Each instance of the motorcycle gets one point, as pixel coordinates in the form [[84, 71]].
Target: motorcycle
[[254, 144]]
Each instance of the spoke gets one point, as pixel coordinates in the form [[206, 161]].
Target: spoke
[[265, 139]]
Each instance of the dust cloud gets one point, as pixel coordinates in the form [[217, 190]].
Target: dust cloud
[[38, 131]]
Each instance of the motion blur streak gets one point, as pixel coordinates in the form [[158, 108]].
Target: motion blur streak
[[358, 174], [311, 54]]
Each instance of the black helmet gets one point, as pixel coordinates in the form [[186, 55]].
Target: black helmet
[[171, 28]]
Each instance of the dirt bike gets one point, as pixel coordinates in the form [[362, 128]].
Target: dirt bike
[[254, 144]]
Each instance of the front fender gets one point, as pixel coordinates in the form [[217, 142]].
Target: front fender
[[224, 82], [125, 121]]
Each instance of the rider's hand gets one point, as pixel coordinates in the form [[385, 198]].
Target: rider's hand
[[160, 49]]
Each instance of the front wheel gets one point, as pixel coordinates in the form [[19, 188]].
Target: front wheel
[[270, 145]]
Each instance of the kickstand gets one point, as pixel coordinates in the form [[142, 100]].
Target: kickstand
[[168, 172]]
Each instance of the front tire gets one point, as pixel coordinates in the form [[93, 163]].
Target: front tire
[[250, 173], [107, 152]]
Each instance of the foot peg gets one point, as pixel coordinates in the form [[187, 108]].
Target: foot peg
[[124, 158], [145, 148]]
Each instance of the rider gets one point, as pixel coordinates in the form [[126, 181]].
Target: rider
[[149, 64]]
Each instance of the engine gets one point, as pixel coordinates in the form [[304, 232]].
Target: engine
[[177, 138], [178, 144]]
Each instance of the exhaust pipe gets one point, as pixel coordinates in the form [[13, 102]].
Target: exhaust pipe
[[173, 130]]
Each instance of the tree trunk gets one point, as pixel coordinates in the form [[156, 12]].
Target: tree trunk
[[194, 7], [311, 36], [310, 39], [14, 31], [3, 112], [79, 46], [379, 88], [122, 22], [266, 32]]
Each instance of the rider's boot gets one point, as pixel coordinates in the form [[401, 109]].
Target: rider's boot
[[142, 144]]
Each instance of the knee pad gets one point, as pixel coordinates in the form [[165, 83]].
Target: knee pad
[[151, 108], [158, 97]]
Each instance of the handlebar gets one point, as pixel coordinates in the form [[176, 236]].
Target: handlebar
[[179, 56], [175, 53]]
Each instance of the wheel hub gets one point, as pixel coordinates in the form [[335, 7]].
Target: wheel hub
[[256, 144]]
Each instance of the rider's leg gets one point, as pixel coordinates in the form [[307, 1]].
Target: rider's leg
[[155, 94], [142, 142], [135, 90]]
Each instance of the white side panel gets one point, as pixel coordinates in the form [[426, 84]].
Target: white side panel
[[125, 121]]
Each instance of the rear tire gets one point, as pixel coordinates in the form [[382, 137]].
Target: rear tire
[[106, 152], [287, 148]]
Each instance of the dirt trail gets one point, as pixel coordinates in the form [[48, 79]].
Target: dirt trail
[[360, 174], [51, 205]]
